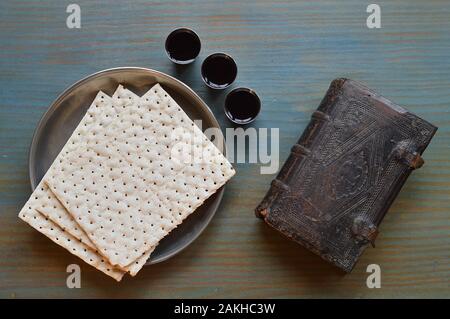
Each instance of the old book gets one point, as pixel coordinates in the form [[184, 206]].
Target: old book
[[345, 171]]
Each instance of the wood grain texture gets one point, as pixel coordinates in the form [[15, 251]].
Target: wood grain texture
[[288, 52]]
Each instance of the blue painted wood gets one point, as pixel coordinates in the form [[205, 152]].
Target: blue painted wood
[[288, 51]]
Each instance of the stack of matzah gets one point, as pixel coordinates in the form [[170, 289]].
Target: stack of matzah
[[133, 169]]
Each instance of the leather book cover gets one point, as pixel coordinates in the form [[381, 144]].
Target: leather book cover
[[345, 171]]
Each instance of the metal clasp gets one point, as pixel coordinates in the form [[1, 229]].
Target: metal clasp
[[405, 153]]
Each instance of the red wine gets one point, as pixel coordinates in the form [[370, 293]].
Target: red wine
[[242, 105], [219, 70], [183, 46]]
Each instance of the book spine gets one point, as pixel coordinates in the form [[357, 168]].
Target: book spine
[[301, 149]]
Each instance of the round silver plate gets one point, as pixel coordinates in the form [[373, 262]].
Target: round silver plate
[[64, 114]]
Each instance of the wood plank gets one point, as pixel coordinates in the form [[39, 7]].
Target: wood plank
[[288, 51]]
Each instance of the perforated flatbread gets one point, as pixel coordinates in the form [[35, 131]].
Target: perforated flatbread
[[101, 115], [62, 238], [51, 208], [56, 213], [43, 199], [134, 193]]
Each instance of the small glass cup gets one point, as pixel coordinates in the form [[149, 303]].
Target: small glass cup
[[242, 105], [182, 46], [219, 70]]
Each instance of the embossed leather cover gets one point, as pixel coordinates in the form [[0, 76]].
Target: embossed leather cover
[[345, 171]]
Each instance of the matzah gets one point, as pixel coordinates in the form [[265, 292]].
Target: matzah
[[62, 238], [118, 167], [43, 200], [132, 189], [56, 213], [49, 206]]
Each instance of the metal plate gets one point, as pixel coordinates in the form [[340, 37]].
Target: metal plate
[[64, 114]]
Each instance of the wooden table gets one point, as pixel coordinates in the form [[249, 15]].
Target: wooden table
[[288, 52]]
